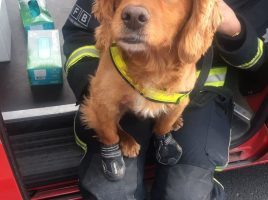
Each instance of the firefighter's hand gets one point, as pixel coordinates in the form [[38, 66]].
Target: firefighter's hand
[[230, 25]]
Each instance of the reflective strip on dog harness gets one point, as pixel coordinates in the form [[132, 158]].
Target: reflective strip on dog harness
[[253, 61], [78, 54], [148, 93]]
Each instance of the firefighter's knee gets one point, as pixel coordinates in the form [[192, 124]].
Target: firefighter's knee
[[94, 185], [182, 182]]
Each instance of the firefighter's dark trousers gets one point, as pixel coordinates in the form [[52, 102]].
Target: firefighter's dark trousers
[[204, 139]]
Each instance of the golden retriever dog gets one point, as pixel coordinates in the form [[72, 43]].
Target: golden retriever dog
[[160, 41]]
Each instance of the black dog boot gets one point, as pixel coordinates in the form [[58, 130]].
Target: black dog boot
[[168, 151], [112, 162]]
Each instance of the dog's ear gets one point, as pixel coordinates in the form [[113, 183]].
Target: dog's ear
[[103, 10], [197, 34]]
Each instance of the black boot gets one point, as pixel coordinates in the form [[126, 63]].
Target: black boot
[[112, 162], [168, 151]]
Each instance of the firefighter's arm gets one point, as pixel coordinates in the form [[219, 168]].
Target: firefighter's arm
[[81, 55], [237, 41]]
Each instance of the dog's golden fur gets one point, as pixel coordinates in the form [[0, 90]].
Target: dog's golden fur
[[176, 35]]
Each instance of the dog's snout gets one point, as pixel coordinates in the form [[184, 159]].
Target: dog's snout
[[134, 17]]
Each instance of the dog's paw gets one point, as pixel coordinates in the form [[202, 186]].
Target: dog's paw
[[168, 151], [129, 147], [113, 164], [130, 151], [178, 124]]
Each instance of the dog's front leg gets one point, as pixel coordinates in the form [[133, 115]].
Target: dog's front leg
[[168, 151], [104, 119], [128, 144], [171, 120]]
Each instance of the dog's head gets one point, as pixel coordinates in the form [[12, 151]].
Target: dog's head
[[141, 25]]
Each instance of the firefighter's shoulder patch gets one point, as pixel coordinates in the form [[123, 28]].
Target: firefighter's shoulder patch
[[80, 17]]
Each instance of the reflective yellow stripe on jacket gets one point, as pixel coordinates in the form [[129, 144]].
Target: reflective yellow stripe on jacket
[[216, 77], [78, 54], [253, 61]]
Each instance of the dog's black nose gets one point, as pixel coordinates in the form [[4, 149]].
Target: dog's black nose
[[135, 17]]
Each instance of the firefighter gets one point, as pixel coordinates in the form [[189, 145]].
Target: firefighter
[[205, 136]]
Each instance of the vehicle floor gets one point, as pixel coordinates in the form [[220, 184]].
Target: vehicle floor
[[246, 183]]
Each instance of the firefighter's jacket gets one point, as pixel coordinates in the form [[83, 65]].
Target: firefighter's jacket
[[245, 51]]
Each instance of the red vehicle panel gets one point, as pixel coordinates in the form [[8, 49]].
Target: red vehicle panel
[[9, 189], [254, 151]]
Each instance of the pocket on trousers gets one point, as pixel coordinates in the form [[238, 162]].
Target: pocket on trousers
[[219, 131]]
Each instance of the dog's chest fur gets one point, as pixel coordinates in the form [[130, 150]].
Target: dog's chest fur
[[143, 107], [146, 108]]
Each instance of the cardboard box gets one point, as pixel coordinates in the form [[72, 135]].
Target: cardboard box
[[35, 15], [5, 33], [44, 64]]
